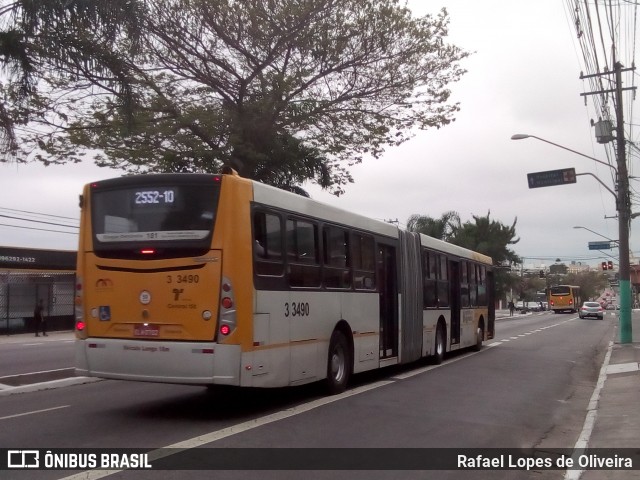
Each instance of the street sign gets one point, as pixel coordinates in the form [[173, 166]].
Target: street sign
[[551, 178], [599, 245]]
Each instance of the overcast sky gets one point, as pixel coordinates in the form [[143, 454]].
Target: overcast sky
[[522, 78]]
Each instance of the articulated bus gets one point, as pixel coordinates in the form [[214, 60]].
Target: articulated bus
[[564, 298], [216, 279]]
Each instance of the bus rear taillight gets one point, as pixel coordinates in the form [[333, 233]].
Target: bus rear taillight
[[227, 303], [79, 307], [227, 317]]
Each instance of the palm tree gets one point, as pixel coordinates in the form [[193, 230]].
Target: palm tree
[[441, 228]]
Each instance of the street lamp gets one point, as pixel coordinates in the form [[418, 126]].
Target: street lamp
[[522, 136], [596, 233], [623, 206]]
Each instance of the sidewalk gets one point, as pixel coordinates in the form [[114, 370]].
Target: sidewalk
[[54, 336], [614, 406]]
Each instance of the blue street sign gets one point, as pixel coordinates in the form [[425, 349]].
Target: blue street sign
[[599, 245]]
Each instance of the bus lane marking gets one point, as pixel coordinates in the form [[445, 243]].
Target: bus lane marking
[[538, 330], [34, 412], [216, 435]]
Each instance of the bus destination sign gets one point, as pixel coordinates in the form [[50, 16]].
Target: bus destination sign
[[551, 178]]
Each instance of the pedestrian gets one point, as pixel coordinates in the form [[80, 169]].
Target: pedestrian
[[512, 307], [38, 317]]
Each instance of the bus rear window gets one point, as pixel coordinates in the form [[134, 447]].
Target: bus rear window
[[560, 290], [164, 216]]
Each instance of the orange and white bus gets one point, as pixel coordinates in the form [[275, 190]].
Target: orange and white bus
[[564, 298], [215, 279]]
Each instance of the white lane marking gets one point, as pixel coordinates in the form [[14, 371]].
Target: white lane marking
[[40, 371], [201, 440], [537, 330], [590, 419], [34, 412], [418, 371]]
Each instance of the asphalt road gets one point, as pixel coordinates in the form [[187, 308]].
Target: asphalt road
[[527, 388]]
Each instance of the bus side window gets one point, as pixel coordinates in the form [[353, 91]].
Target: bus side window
[[364, 262], [303, 253], [429, 282], [482, 287], [336, 257], [267, 244], [442, 267], [473, 284]]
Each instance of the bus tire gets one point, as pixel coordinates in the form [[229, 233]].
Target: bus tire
[[338, 364], [439, 348], [479, 337]]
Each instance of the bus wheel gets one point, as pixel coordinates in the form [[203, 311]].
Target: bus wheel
[[438, 355], [339, 363], [479, 337]]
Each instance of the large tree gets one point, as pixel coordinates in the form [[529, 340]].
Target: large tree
[[282, 91], [44, 41]]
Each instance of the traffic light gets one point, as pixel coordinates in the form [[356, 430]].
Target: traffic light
[[604, 265], [610, 265]]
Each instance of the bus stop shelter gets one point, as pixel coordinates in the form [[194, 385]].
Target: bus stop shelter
[[29, 275]]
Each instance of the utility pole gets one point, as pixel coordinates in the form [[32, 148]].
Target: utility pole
[[624, 216], [623, 205]]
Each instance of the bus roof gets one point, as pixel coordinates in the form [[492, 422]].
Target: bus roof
[[279, 198]]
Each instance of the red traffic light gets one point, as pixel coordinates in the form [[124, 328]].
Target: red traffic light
[[604, 265]]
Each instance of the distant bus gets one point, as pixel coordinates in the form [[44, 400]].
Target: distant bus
[[564, 298], [216, 279]]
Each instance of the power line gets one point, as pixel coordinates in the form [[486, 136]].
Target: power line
[[38, 221], [39, 229], [37, 213]]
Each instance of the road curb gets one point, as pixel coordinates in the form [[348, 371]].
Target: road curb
[[51, 385]]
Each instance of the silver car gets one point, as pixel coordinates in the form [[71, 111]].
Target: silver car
[[591, 309]]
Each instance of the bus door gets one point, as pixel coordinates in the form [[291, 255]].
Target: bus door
[[388, 288], [491, 328], [454, 282]]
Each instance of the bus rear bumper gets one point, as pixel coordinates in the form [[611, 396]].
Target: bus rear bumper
[[190, 363]]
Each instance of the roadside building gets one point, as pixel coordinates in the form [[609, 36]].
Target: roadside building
[[29, 275]]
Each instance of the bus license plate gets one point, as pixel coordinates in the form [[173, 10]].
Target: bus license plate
[[145, 330]]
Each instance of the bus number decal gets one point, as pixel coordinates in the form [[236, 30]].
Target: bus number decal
[[296, 309], [183, 278]]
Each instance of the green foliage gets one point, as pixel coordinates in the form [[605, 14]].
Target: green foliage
[[490, 237], [441, 228], [591, 284], [483, 235], [282, 91], [42, 41]]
